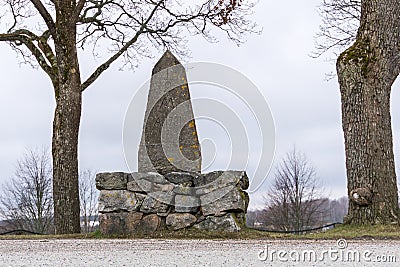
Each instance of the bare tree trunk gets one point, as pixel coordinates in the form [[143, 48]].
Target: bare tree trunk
[[366, 72], [65, 161], [66, 123]]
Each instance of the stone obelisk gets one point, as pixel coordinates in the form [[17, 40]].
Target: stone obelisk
[[169, 139]]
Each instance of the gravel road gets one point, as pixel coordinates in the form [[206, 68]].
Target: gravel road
[[105, 252]]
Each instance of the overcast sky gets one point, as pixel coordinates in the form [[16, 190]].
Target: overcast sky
[[306, 108]]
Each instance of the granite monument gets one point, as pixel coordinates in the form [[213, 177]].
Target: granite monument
[[169, 192]]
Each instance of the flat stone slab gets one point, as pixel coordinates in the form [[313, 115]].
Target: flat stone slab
[[119, 200], [212, 181], [111, 181], [152, 177]]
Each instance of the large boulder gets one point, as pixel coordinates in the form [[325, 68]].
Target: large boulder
[[215, 180], [111, 181], [177, 221], [126, 223], [148, 225], [224, 200], [119, 200], [119, 223]]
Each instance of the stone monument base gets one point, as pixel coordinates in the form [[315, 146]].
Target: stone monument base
[[144, 203]]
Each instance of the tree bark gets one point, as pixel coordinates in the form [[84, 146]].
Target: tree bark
[[66, 123], [65, 160], [366, 73]]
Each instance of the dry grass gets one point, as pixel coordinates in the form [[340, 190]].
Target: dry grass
[[342, 231]]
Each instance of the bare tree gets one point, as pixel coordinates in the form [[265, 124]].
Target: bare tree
[[88, 195], [294, 200], [26, 201], [366, 72], [50, 32]]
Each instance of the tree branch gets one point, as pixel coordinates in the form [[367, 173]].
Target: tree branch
[[26, 37], [121, 51], [78, 9], [46, 16]]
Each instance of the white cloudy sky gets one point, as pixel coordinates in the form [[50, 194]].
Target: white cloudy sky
[[305, 107]]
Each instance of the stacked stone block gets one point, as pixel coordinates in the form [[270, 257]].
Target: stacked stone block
[[143, 203]]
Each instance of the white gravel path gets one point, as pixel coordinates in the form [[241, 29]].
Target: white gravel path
[[106, 252]]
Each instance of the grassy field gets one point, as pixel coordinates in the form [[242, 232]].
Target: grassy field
[[342, 231]]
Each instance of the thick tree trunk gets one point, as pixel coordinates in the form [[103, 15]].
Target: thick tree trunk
[[66, 123], [366, 72], [65, 160]]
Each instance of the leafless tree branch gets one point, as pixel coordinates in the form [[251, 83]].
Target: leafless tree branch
[[338, 30], [37, 46], [45, 15], [129, 26]]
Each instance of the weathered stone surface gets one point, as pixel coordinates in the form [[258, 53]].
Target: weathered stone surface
[[164, 197], [148, 225], [183, 189], [182, 177], [232, 201], [118, 200], [156, 204], [152, 177], [119, 223], [163, 187], [129, 223], [169, 140], [184, 203], [111, 181], [178, 221], [225, 223], [217, 180], [207, 178], [140, 186]]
